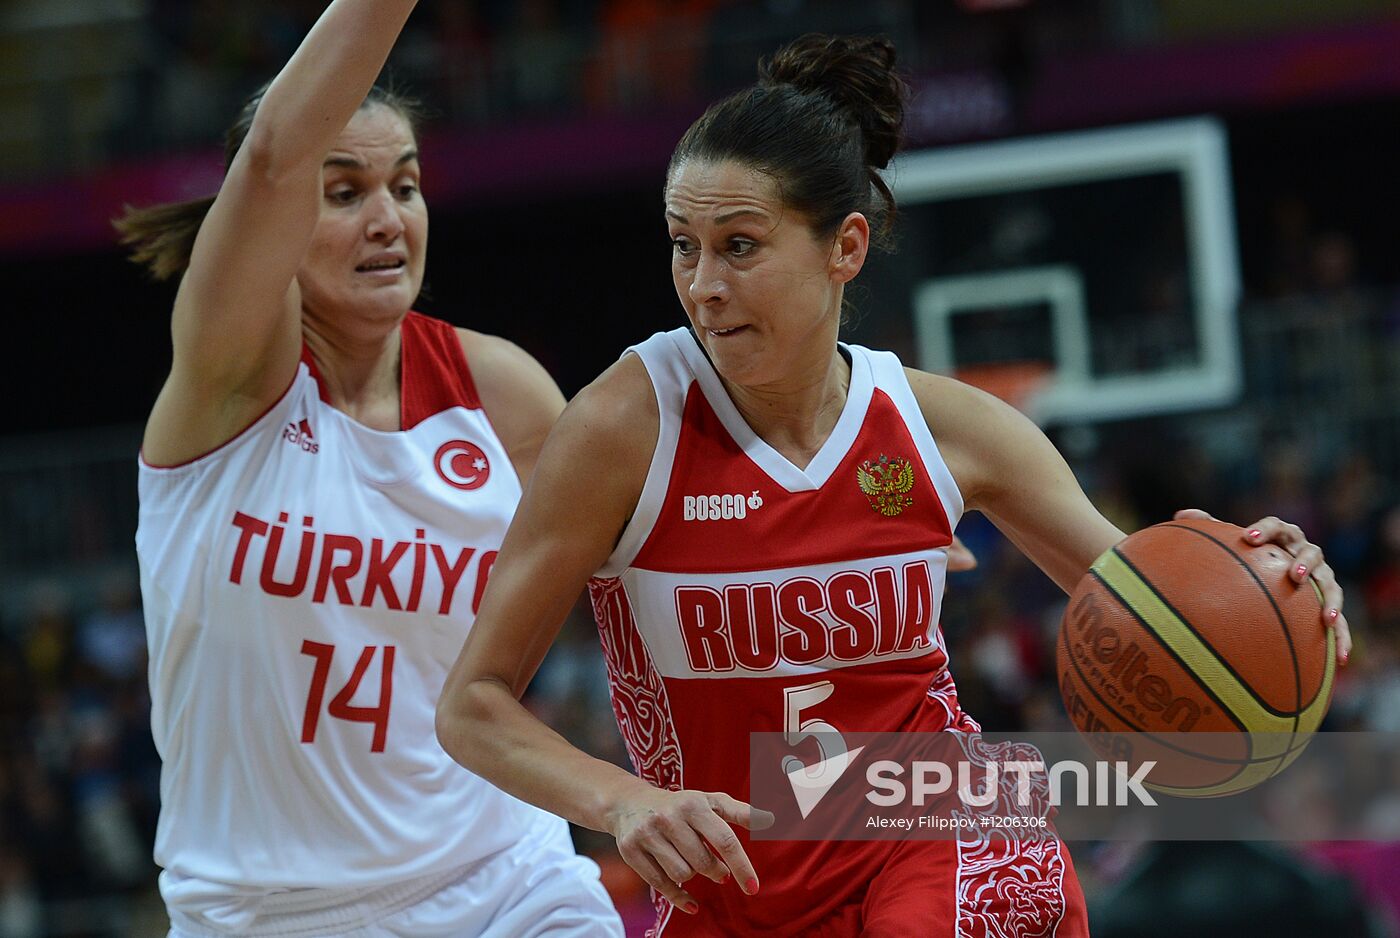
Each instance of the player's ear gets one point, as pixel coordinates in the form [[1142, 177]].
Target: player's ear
[[849, 248]]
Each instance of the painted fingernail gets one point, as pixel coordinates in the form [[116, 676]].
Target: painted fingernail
[[691, 906], [751, 886], [1332, 614], [723, 880], [1302, 570], [1345, 656], [1255, 534]]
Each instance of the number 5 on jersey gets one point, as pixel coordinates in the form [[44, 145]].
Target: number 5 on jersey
[[340, 707], [810, 783]]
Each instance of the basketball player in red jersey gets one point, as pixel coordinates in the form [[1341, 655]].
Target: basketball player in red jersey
[[763, 513], [325, 480]]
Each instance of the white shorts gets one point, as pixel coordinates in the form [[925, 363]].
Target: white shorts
[[539, 888]]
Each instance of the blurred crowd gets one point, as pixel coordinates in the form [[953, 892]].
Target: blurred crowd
[[165, 74], [477, 61], [79, 774], [89, 81]]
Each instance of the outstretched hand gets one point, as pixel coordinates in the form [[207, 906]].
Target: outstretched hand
[[1309, 563], [670, 836]]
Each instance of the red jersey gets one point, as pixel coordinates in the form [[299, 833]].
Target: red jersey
[[748, 594]]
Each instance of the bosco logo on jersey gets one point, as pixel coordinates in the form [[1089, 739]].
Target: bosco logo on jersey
[[719, 507], [462, 465]]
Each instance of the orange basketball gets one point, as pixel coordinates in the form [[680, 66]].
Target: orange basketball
[[1190, 647]]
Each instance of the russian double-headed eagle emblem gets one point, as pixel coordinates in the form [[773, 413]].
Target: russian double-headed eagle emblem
[[887, 483]]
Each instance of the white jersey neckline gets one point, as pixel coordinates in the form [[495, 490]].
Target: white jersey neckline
[[777, 466]]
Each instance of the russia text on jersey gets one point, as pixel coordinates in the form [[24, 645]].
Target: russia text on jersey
[[752, 626]]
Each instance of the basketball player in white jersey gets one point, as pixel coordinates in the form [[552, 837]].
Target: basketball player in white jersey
[[325, 480], [765, 513]]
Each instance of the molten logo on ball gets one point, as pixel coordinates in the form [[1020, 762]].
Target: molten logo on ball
[[1122, 676], [1200, 650]]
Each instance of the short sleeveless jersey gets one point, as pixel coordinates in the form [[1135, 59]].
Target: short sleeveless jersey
[[307, 587], [745, 586]]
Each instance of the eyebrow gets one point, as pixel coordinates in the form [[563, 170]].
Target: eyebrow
[[719, 219], [349, 162]]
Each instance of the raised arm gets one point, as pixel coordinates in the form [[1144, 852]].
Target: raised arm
[[584, 488], [235, 327]]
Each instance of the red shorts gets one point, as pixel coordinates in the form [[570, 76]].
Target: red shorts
[[922, 889]]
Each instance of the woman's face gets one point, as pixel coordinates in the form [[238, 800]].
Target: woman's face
[[368, 249], [761, 289]]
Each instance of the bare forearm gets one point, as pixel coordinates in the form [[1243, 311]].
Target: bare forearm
[[486, 730], [1065, 557], [326, 80]]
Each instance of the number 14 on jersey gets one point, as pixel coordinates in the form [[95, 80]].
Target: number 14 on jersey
[[340, 707]]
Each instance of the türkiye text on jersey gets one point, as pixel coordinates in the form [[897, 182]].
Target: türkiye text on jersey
[[347, 569]]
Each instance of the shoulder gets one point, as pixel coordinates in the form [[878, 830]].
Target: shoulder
[[619, 409], [520, 398], [954, 409], [498, 360], [979, 435], [599, 453], [508, 378]]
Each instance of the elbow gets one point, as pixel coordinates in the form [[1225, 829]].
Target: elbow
[[452, 725], [271, 155], [464, 713], [263, 154]]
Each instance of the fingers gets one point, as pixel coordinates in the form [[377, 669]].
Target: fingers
[[737, 812], [657, 878], [714, 826], [699, 820], [1272, 530], [960, 559], [1308, 562], [1343, 637], [673, 860], [1332, 617], [691, 834], [647, 848], [1193, 514]]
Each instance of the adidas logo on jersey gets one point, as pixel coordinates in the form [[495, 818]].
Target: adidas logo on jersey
[[299, 434], [720, 507]]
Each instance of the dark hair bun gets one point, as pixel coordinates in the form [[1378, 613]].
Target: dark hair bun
[[857, 73]]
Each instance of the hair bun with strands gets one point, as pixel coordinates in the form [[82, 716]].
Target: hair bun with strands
[[856, 72]]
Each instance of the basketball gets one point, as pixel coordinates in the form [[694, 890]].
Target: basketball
[[1188, 646]]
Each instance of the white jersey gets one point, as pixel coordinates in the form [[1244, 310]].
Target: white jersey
[[307, 587]]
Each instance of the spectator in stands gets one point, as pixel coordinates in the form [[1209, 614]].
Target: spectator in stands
[[112, 639]]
